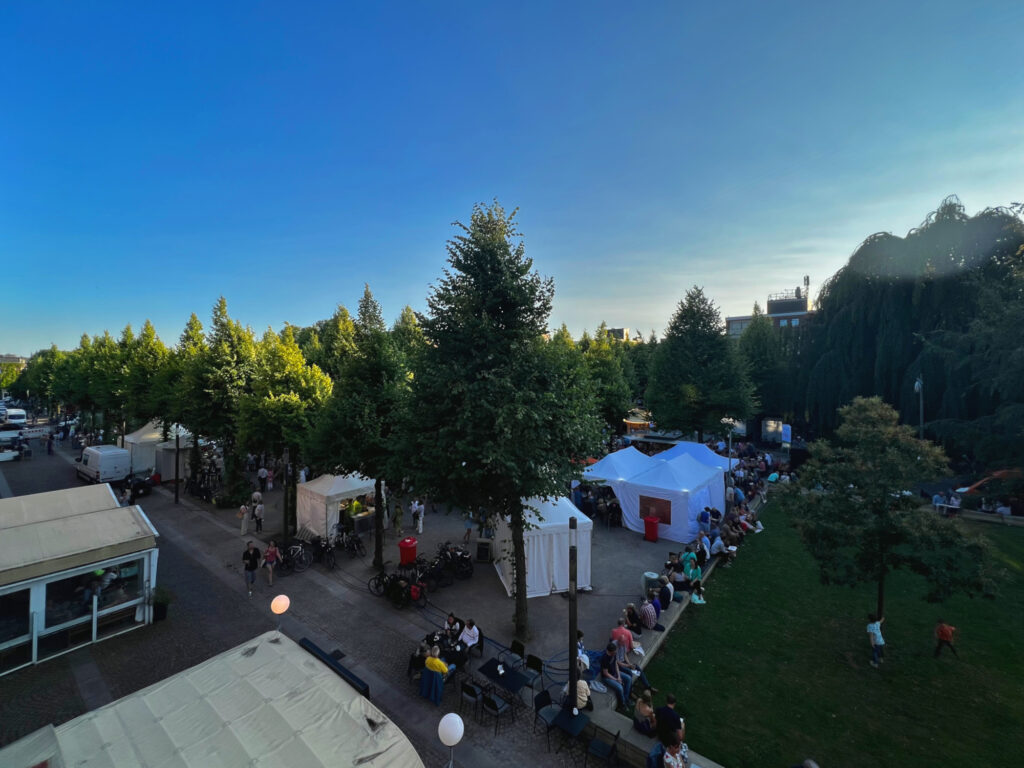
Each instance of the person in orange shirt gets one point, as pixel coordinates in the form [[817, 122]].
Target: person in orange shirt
[[944, 636]]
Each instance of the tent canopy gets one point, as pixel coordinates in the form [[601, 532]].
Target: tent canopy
[[143, 443], [317, 501], [547, 548], [699, 452], [684, 483], [619, 466]]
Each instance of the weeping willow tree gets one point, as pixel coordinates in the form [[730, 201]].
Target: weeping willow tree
[[876, 315]]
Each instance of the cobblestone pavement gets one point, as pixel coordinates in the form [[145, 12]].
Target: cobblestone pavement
[[200, 561]]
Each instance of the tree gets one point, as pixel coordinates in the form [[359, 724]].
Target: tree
[[604, 364], [858, 520], [9, 374], [760, 346], [144, 361], [697, 377], [496, 416], [359, 429]]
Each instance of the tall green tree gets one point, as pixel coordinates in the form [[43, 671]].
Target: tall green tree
[[860, 523], [760, 346], [496, 417], [697, 377], [603, 359]]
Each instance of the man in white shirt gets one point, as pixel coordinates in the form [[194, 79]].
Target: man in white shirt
[[470, 635]]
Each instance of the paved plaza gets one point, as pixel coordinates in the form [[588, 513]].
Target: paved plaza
[[200, 561]]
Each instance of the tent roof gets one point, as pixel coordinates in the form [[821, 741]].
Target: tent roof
[[681, 474], [154, 433], [620, 465], [46, 533], [696, 473], [554, 513], [338, 486], [266, 702], [698, 451]]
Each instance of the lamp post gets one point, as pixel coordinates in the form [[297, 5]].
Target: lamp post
[[573, 623], [450, 731], [919, 388], [728, 459]]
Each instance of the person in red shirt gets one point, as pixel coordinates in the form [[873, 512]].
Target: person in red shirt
[[622, 636], [944, 636]]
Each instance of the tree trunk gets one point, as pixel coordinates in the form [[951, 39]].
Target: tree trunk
[[880, 612], [519, 564], [378, 525]]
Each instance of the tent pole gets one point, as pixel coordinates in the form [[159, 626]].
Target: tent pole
[[573, 669]]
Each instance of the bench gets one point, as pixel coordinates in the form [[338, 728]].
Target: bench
[[362, 688]]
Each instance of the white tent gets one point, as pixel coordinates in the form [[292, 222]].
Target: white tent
[[547, 548], [699, 452], [165, 459], [685, 484], [143, 442], [617, 467], [318, 500]]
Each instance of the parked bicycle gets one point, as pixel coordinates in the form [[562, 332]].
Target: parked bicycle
[[457, 559], [295, 558], [401, 589], [350, 542]]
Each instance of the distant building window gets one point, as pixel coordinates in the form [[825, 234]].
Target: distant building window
[[783, 323], [795, 321]]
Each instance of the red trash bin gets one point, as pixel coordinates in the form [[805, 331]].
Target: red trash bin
[[651, 528], [407, 551]]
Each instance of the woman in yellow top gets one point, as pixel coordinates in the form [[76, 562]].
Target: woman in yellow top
[[435, 664]]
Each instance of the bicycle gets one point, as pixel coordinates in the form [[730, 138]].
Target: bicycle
[[350, 542]]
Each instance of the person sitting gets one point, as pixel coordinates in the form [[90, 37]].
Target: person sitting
[[652, 597], [434, 663], [665, 592], [615, 678], [469, 636], [649, 617], [722, 549], [644, 720], [622, 637], [452, 627], [704, 519], [693, 575], [703, 550], [676, 754], [584, 702], [716, 517], [633, 621]]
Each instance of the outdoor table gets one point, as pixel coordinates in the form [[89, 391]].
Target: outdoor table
[[511, 681], [571, 725]]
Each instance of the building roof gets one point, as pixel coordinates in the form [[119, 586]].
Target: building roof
[[46, 533], [264, 703]]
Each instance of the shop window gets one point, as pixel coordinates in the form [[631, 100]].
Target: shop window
[[71, 598], [14, 615]]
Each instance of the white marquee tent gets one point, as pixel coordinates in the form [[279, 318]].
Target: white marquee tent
[[699, 452], [617, 467], [547, 548], [143, 442], [686, 484], [165, 459], [318, 500]]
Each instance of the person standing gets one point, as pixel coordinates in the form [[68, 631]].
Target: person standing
[[251, 561], [270, 559], [243, 515], [944, 637], [417, 515], [270, 479], [262, 477], [876, 640], [257, 515]]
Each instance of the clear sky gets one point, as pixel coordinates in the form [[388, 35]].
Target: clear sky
[[154, 156]]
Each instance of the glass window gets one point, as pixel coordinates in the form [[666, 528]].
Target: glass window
[[783, 323], [14, 615], [795, 321], [71, 598], [121, 583]]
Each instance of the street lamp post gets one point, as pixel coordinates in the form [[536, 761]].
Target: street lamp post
[[919, 388], [450, 731], [573, 623]]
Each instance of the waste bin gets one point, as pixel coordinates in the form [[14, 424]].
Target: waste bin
[[407, 551], [650, 579], [651, 529]]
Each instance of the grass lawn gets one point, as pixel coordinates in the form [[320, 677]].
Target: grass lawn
[[775, 668]]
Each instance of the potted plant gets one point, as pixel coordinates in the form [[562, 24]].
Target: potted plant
[[162, 597]]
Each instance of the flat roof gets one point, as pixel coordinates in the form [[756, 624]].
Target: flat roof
[[45, 533], [266, 703]]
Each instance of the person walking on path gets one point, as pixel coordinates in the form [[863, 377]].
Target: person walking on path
[[417, 515], [262, 476], [251, 561], [270, 558], [875, 638], [270, 479], [257, 515], [944, 637], [243, 515]]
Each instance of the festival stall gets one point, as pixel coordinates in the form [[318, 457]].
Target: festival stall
[[618, 467], [674, 492], [547, 548], [143, 444], [699, 452], [318, 501]]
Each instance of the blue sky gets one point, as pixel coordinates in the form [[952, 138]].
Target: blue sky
[[156, 156]]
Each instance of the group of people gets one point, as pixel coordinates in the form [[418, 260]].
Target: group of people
[[253, 511], [253, 560], [444, 650]]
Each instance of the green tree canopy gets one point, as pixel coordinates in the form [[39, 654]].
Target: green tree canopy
[[859, 521], [495, 417]]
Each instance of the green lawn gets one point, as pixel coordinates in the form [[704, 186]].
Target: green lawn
[[774, 669]]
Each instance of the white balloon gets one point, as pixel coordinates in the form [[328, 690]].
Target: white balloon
[[450, 729]]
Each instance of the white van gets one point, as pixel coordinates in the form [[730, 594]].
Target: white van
[[16, 416], [104, 464]]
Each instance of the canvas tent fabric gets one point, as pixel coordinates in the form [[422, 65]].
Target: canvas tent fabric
[[317, 501], [685, 483], [47, 533], [619, 466], [165, 459], [143, 444], [266, 702], [699, 452], [547, 548]]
